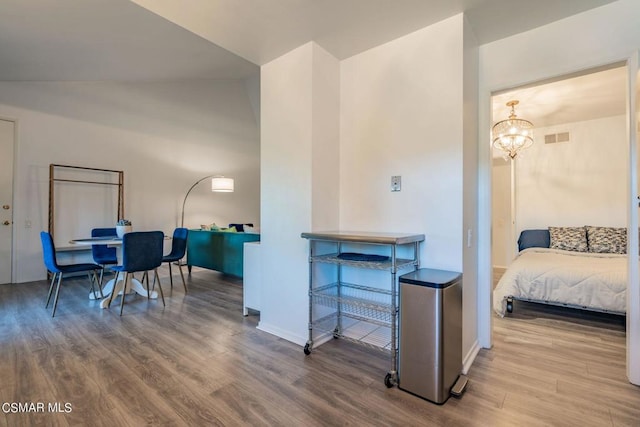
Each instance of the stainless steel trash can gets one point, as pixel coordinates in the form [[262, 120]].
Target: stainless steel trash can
[[430, 339]]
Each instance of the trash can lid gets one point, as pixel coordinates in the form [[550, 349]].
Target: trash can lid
[[431, 278]]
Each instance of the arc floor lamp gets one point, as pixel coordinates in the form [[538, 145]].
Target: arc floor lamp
[[219, 184]]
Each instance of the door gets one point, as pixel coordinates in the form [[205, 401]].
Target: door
[[6, 199]]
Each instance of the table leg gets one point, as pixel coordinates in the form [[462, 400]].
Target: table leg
[[113, 286], [137, 287], [116, 285], [106, 290]]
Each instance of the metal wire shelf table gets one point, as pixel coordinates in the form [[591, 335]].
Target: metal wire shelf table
[[366, 315]]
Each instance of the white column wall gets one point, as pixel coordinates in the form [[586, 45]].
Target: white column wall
[[326, 141], [298, 116], [470, 344], [596, 37], [404, 112], [165, 136], [401, 114]]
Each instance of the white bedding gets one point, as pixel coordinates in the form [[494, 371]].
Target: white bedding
[[588, 280]]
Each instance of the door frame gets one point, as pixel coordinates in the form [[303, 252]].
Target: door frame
[[633, 285]]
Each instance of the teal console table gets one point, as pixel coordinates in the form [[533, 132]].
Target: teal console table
[[218, 250]]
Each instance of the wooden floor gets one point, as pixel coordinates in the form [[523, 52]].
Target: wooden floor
[[200, 362]]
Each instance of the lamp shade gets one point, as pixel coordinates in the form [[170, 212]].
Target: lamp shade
[[221, 184]]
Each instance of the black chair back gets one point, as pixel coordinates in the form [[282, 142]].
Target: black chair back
[[142, 250]]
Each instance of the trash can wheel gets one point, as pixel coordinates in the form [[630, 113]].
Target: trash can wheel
[[389, 380]]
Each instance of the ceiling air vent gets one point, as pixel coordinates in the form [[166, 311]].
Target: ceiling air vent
[[556, 137]]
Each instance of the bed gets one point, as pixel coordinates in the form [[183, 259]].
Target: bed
[[573, 271]]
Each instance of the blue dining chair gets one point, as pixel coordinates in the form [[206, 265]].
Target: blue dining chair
[[49, 256], [178, 250], [103, 254], [141, 252]]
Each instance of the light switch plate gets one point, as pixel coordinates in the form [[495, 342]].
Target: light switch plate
[[396, 183]]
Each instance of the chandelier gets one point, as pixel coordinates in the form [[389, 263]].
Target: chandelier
[[513, 134]]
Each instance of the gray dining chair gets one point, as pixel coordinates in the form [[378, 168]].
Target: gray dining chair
[[141, 252], [178, 250]]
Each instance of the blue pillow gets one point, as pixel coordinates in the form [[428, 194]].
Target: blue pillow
[[534, 239]]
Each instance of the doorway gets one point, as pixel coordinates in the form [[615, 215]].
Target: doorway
[[7, 139], [629, 185], [576, 171]]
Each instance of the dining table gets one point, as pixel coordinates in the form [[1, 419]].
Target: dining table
[[116, 285]]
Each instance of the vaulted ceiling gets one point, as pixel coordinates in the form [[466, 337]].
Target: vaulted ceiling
[[160, 40], [94, 40], [187, 39], [260, 30]]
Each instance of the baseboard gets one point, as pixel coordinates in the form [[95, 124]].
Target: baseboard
[[470, 357], [281, 333]]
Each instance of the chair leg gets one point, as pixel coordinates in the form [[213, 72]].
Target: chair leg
[[113, 292], [146, 276], [100, 281], [53, 279], [55, 299], [182, 275], [124, 292], [101, 275], [91, 278], [170, 277], [155, 270]]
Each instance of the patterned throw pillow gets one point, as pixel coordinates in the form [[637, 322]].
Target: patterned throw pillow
[[568, 238], [608, 240]]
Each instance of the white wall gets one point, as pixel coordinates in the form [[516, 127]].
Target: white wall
[[599, 36], [408, 107], [165, 136], [325, 154], [502, 242], [579, 42], [401, 114], [572, 183], [299, 179], [404, 112]]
